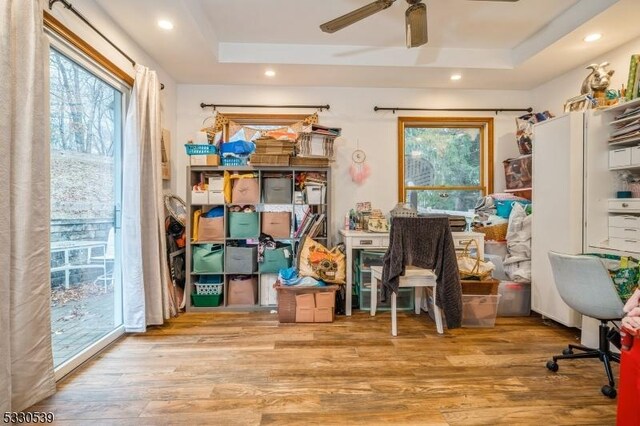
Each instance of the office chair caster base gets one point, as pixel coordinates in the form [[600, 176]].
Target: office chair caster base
[[553, 366], [609, 391], [567, 351]]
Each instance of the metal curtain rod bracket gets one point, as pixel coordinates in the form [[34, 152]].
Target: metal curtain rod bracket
[[216, 106], [76, 12], [496, 110]]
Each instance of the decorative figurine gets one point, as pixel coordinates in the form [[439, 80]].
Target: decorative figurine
[[597, 82]]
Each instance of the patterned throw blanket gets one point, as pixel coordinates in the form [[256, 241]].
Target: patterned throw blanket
[[425, 242]]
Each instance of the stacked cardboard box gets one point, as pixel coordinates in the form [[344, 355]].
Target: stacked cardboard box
[[315, 307], [272, 152]]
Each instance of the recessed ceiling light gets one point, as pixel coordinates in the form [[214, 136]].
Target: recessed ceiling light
[[456, 77], [593, 37], [165, 25], [270, 73]]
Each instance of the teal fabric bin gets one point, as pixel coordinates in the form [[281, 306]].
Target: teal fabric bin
[[276, 259], [244, 225], [208, 259]]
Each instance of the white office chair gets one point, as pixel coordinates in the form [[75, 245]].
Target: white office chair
[[585, 285], [107, 260]]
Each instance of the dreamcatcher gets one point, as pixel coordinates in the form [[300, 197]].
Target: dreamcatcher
[[359, 169]]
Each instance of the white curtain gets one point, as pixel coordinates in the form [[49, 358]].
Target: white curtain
[[144, 258], [26, 360]]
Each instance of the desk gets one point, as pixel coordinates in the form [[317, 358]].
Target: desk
[[357, 240], [67, 247]]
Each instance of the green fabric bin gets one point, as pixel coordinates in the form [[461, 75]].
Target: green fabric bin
[[208, 259], [276, 259], [244, 225]]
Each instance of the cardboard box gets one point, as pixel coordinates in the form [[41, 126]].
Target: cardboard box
[[326, 300], [213, 160], [305, 301], [304, 314], [323, 315], [204, 160]]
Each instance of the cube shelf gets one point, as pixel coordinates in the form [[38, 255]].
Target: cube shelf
[[247, 284]]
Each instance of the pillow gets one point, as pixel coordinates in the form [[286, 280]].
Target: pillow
[[316, 261]]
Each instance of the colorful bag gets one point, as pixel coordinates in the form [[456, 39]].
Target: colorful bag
[[316, 261], [624, 272]]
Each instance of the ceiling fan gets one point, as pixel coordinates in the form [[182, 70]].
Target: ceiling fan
[[415, 17]]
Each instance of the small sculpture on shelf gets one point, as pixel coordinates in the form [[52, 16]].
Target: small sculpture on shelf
[[597, 82]]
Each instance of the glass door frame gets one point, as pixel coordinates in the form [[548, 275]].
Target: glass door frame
[[90, 65]]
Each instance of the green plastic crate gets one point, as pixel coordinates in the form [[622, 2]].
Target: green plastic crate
[[206, 300]]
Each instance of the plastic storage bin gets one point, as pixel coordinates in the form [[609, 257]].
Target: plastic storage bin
[[515, 300], [479, 311], [404, 300], [244, 225], [206, 300], [241, 260], [370, 258]]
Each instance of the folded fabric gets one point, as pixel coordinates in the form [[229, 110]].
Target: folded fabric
[[214, 212]]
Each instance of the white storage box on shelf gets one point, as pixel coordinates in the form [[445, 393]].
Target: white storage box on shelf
[[515, 300], [216, 197], [199, 197], [315, 194], [619, 158]]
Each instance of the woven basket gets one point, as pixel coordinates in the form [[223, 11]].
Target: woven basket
[[287, 299], [309, 162], [494, 232]]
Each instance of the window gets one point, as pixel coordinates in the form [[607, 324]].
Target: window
[[445, 164]]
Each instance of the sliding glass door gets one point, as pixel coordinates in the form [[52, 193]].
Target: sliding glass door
[[86, 120]]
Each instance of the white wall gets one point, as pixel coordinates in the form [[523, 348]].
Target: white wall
[[552, 95], [107, 26], [352, 109]]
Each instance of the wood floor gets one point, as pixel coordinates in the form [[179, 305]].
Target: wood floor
[[245, 368]]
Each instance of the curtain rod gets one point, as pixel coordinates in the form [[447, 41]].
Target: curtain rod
[[496, 110], [215, 106], [76, 12]]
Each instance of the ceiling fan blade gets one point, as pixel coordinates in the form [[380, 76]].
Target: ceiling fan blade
[[355, 16], [416, 20]]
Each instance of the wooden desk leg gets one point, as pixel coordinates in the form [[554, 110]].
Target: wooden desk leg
[[394, 318], [374, 296]]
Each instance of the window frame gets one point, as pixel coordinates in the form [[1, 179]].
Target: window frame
[[61, 43], [483, 124]]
